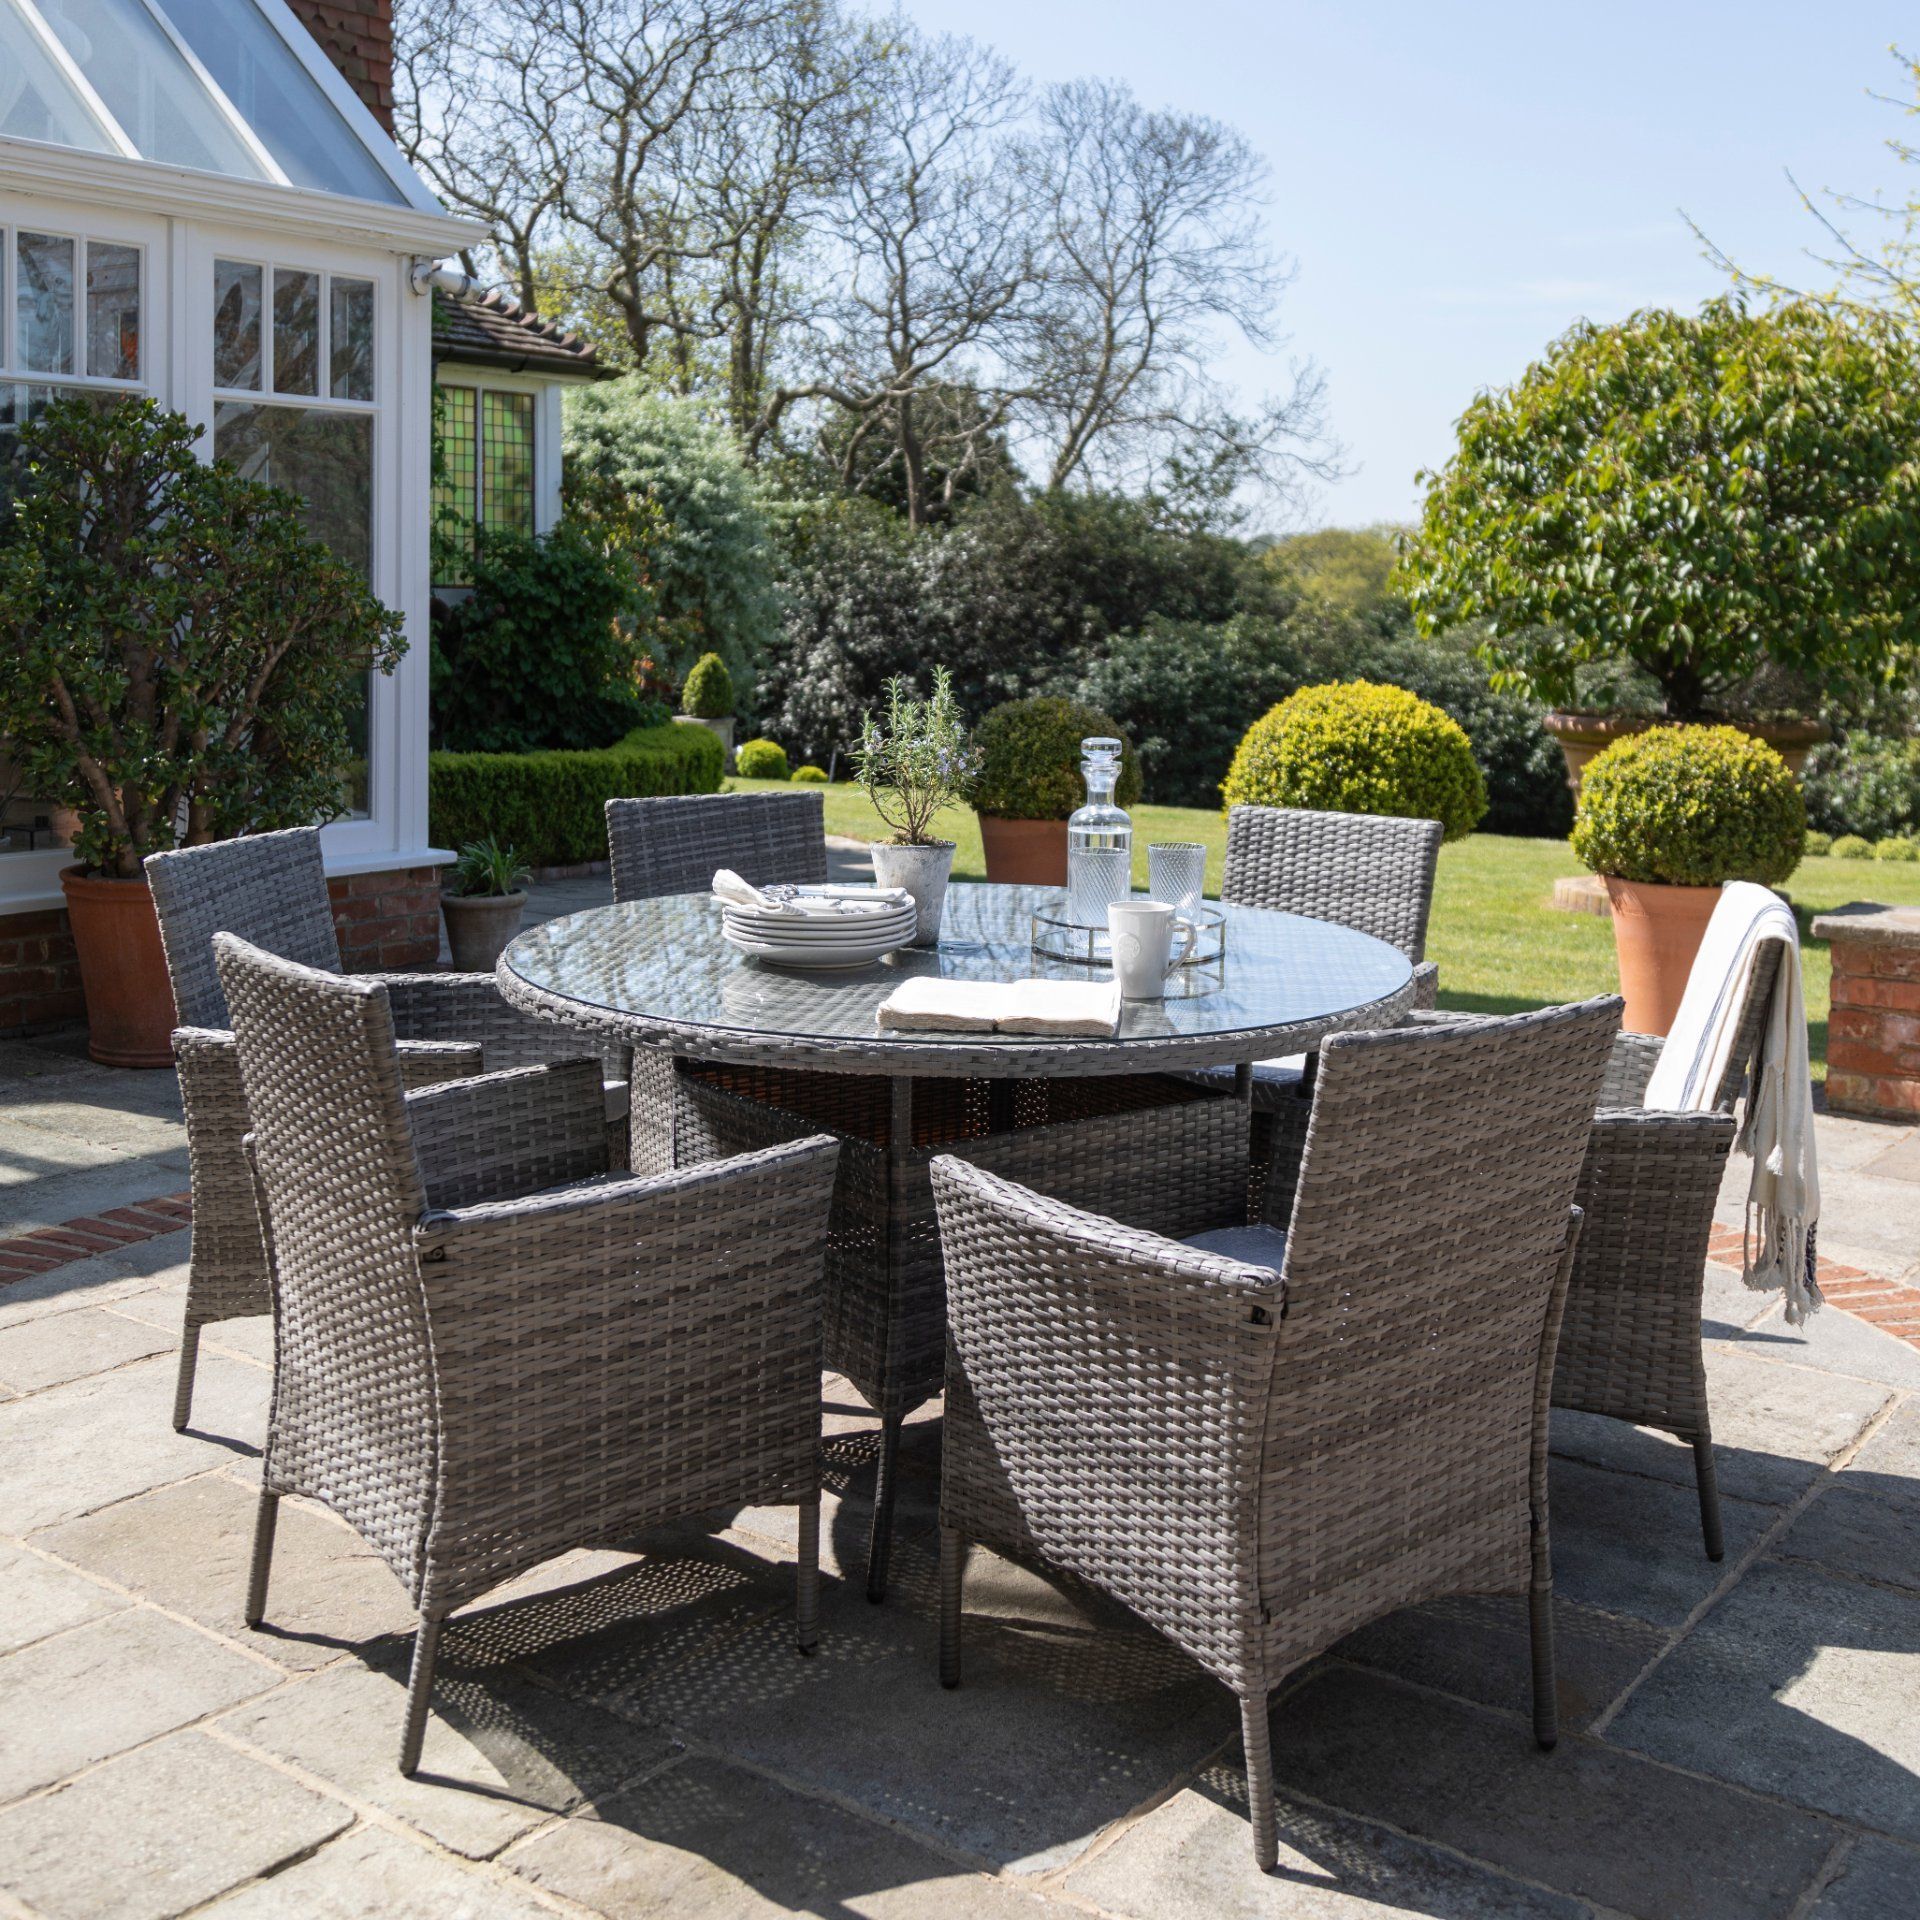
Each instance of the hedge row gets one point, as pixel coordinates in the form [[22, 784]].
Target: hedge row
[[550, 808]]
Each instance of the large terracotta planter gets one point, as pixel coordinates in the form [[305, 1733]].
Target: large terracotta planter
[[123, 970], [1025, 853], [1582, 735], [480, 927], [1657, 931]]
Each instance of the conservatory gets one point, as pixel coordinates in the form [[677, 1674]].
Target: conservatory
[[195, 204]]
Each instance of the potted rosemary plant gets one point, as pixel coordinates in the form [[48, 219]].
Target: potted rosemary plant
[[913, 761], [483, 897]]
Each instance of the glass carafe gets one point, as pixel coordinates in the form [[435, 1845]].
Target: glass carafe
[[1099, 840]]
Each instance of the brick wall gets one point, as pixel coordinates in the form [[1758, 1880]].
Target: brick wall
[[357, 36], [39, 975], [1873, 1028], [387, 920]]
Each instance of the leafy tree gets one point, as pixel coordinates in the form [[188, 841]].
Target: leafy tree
[[1343, 570], [179, 660], [1696, 494]]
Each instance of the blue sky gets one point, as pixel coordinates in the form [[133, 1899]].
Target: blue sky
[[1456, 184]]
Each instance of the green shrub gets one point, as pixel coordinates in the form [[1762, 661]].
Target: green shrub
[[760, 760], [536, 656], [1817, 845], [551, 807], [1030, 759], [1897, 849], [1866, 786], [485, 870], [1850, 846], [809, 776], [1690, 807], [1360, 748], [708, 693]]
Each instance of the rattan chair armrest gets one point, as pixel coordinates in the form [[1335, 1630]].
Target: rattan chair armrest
[[427, 1063], [502, 1135], [1629, 1068], [1426, 984], [468, 1007]]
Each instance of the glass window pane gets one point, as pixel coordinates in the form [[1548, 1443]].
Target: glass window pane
[[162, 105], [455, 492], [43, 297], [506, 460], [236, 324], [296, 332], [113, 311], [37, 100], [279, 99], [323, 456], [351, 339]]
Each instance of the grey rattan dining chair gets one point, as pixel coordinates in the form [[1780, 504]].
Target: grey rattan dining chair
[[1257, 1440], [675, 844], [271, 890], [487, 1350]]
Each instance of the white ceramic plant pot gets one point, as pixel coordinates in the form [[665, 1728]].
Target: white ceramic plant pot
[[923, 871], [480, 927]]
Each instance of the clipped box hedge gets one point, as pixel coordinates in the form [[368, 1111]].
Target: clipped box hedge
[[550, 808]]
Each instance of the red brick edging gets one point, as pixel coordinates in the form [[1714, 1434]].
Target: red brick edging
[[1886, 1304], [48, 1247]]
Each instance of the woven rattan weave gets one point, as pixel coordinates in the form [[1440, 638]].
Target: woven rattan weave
[[271, 890], [1258, 1462], [487, 1350]]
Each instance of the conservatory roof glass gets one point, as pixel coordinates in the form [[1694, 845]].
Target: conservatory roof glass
[[210, 84]]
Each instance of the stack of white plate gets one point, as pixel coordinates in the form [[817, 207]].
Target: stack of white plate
[[819, 939]]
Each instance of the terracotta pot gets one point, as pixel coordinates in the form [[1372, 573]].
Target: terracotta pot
[[123, 970], [1657, 931], [1582, 735], [480, 926], [1025, 853]]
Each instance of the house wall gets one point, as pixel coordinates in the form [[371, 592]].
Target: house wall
[[357, 36]]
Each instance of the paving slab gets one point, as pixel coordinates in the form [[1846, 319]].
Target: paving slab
[[1480, 1649], [1584, 1820], [1774, 1428], [156, 1832], [1835, 1341], [150, 1127], [1192, 1859], [107, 1685], [46, 1199], [188, 1548], [1845, 1528], [42, 1598], [703, 1840], [249, 1337], [1727, 1304], [69, 1346], [1876, 1881], [1892, 1457], [1868, 1221], [1898, 1159], [370, 1874], [500, 1757], [1053, 1736], [1626, 1544], [80, 1283], [74, 1448], [31, 1156], [1799, 1684]]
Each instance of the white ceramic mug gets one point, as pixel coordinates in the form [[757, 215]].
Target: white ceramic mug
[[1141, 935]]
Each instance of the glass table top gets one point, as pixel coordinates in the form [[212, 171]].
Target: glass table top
[[662, 964]]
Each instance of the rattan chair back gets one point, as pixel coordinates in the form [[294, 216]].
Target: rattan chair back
[[268, 888], [676, 844], [1365, 871]]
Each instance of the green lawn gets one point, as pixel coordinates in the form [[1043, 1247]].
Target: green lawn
[[1500, 946]]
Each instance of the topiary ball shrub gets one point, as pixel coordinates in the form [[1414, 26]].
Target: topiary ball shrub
[[1690, 807], [1817, 845], [1360, 748], [708, 693], [1897, 849], [760, 760], [1030, 759], [1850, 846], [809, 776]]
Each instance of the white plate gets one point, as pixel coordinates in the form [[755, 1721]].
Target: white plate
[[834, 954], [789, 922], [834, 933]]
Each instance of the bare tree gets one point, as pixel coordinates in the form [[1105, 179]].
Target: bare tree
[[1151, 250]]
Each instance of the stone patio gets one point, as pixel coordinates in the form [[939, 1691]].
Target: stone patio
[[633, 1735]]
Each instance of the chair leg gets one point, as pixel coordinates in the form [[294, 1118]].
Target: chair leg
[[426, 1644], [263, 1523], [953, 1565], [1257, 1739], [183, 1381], [1546, 1700], [1709, 1496], [806, 1580], [881, 1545]]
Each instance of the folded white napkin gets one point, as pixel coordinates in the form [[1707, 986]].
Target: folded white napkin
[[929, 1004], [817, 903]]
